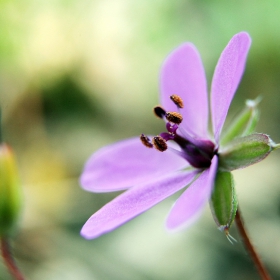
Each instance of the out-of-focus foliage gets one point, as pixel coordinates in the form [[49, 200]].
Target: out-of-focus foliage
[[77, 75]]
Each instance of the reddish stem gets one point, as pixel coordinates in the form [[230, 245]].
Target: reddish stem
[[251, 250], [9, 260]]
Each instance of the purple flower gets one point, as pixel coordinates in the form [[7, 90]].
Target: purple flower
[[184, 155]]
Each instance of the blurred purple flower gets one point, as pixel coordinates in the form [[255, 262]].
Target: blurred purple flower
[[151, 175]]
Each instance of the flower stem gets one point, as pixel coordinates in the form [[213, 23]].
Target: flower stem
[[1, 128], [9, 259], [251, 250]]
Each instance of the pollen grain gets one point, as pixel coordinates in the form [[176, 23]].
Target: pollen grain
[[160, 143], [146, 141], [178, 101], [174, 117]]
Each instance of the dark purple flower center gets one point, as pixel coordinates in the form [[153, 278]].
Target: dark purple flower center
[[198, 152]]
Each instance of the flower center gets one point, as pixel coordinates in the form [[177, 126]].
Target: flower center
[[198, 152]]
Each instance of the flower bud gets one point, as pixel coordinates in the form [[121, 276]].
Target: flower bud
[[10, 194], [223, 202], [244, 151], [244, 124]]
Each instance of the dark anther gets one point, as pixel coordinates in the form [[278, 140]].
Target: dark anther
[[159, 112], [178, 101], [160, 143], [174, 117], [146, 141]]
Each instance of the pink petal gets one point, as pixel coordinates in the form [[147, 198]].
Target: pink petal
[[228, 73], [125, 164], [191, 203], [133, 202], [183, 74]]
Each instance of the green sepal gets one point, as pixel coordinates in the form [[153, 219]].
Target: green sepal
[[223, 200], [244, 151], [244, 124], [10, 192]]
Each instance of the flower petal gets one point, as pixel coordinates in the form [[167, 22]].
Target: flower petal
[[125, 164], [190, 204], [183, 74], [228, 73], [133, 202]]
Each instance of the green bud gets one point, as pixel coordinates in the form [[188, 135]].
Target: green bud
[[244, 151], [223, 201], [244, 124], [10, 194]]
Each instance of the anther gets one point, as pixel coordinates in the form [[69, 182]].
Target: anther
[[146, 141], [159, 112], [174, 117], [160, 143], [178, 101]]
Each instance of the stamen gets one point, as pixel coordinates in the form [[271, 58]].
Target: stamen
[[159, 112], [160, 143], [174, 117], [146, 141], [197, 152], [178, 101]]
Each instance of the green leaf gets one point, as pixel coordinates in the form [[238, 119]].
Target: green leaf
[[244, 124], [223, 201], [244, 151]]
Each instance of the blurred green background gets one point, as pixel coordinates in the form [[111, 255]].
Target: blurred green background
[[77, 75]]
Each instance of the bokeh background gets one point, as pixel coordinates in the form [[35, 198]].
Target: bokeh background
[[77, 75]]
